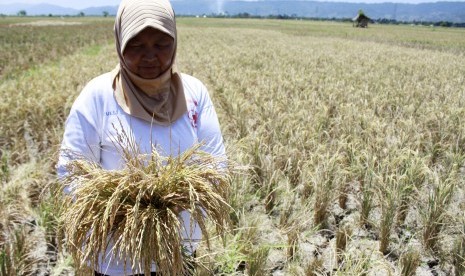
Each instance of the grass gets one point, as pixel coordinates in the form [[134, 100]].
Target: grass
[[435, 214], [416, 37], [458, 255], [325, 182], [388, 201], [409, 261], [30, 44], [307, 106], [342, 239], [257, 262]]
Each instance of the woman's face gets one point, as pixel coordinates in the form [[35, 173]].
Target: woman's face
[[149, 53]]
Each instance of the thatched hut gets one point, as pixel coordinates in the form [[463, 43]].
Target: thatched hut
[[361, 20]]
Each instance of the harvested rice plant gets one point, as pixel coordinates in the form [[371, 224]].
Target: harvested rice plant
[[353, 142]]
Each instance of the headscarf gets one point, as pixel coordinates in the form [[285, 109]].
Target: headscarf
[[160, 100]]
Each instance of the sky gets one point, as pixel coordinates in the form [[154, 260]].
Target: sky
[[76, 4], [81, 4]]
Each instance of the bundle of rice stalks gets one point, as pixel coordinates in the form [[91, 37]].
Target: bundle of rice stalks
[[138, 208]]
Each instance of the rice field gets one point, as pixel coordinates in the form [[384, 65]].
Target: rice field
[[27, 42], [353, 140]]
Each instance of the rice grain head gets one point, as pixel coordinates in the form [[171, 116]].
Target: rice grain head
[[138, 207]]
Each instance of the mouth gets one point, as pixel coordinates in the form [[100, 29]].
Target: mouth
[[149, 71], [148, 66]]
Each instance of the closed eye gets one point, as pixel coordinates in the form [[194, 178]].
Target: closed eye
[[135, 44]]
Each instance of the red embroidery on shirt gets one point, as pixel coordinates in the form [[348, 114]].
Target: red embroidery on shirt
[[193, 114]]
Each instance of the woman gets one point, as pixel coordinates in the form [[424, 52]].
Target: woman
[[146, 97]]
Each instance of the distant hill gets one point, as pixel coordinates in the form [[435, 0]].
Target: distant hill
[[41, 9], [46, 9], [111, 10], [439, 11]]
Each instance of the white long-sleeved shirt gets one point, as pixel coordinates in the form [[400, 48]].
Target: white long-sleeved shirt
[[96, 118]]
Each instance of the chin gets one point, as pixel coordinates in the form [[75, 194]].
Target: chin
[[148, 74]]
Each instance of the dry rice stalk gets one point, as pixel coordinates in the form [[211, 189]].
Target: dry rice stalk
[[343, 234], [138, 207], [409, 261]]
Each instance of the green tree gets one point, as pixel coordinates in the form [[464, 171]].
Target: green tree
[[22, 13], [105, 14]]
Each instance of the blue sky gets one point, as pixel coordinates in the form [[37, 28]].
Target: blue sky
[[80, 4]]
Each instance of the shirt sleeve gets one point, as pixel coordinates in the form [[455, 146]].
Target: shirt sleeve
[[208, 131], [80, 139]]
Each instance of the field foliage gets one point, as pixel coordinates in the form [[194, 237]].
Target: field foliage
[[27, 43], [354, 141]]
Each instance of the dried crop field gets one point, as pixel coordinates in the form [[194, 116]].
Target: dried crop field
[[30, 42], [354, 142]]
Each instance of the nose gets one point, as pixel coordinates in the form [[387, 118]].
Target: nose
[[150, 54]]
